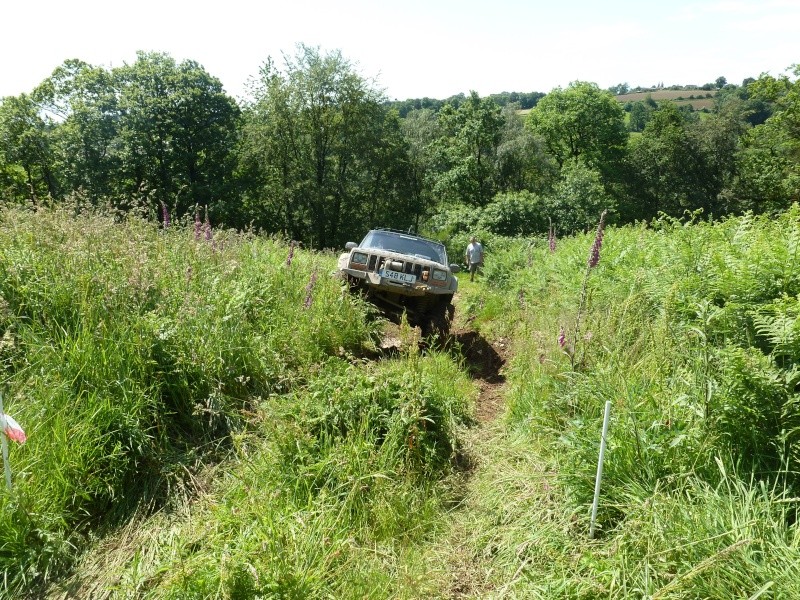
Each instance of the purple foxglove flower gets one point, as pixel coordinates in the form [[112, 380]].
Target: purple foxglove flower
[[562, 337], [165, 215], [198, 226], [594, 255], [207, 227], [310, 290], [551, 239], [291, 254]]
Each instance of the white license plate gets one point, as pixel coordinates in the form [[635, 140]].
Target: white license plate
[[397, 276]]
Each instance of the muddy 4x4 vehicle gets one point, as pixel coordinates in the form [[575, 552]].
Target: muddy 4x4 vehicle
[[403, 272]]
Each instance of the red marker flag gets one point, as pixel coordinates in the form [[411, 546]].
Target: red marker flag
[[12, 429]]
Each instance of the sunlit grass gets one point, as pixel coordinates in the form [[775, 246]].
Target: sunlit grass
[[202, 423], [133, 354], [699, 494]]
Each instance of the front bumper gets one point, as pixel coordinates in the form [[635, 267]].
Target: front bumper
[[376, 282]]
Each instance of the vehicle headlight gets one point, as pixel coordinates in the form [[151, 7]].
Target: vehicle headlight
[[358, 258], [439, 275]]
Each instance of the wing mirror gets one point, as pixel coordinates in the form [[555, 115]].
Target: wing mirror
[[455, 268], [350, 245]]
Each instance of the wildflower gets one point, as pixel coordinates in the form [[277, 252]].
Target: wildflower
[[291, 254], [594, 254], [165, 215], [551, 238], [207, 227], [562, 337], [198, 226], [310, 290]]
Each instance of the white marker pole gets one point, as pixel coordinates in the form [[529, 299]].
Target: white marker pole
[[600, 467], [4, 443]]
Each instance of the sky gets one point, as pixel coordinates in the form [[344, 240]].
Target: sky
[[416, 48]]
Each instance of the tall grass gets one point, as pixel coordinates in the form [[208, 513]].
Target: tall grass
[[131, 354], [329, 497], [200, 423], [689, 329]]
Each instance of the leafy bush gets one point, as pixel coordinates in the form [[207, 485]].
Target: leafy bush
[[578, 199], [514, 214]]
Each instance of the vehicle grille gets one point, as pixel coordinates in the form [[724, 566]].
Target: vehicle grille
[[375, 264]]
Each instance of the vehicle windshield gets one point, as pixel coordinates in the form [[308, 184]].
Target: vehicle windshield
[[405, 244]]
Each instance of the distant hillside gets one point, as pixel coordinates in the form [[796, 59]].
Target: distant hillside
[[699, 99]]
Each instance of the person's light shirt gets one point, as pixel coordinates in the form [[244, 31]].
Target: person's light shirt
[[475, 252]]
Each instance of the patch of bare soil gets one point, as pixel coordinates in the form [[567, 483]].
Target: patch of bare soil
[[485, 361]]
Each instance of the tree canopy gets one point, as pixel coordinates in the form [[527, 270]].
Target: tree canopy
[[319, 154]]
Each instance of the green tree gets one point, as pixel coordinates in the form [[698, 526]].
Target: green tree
[[84, 99], [769, 162], [639, 115], [26, 142], [578, 199], [421, 131], [177, 131], [670, 167], [471, 136], [522, 163], [582, 124], [514, 214], [620, 89], [323, 157]]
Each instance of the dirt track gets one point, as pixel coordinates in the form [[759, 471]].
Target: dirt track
[[484, 362]]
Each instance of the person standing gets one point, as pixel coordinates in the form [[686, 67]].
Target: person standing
[[473, 256]]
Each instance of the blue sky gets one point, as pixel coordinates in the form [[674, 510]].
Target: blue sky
[[416, 48]]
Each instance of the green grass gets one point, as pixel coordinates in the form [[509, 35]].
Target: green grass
[[131, 355], [203, 423], [338, 484], [689, 331]]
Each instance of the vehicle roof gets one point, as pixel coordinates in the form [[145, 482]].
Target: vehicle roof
[[406, 233]]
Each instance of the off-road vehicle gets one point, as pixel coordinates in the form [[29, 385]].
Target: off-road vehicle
[[403, 272]]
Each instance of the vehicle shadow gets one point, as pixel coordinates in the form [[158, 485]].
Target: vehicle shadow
[[483, 361]]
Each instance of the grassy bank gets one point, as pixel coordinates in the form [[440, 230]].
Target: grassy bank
[[138, 357], [689, 330], [202, 421]]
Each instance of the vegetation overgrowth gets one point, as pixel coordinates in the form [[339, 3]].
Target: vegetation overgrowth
[[201, 418], [689, 329], [203, 423], [137, 356]]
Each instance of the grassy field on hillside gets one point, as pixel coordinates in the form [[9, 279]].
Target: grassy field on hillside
[[698, 99], [199, 416], [690, 331], [210, 416]]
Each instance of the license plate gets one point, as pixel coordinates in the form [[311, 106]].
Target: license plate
[[397, 276]]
